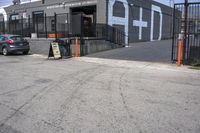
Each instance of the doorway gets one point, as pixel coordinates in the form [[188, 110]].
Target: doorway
[[83, 21], [38, 22]]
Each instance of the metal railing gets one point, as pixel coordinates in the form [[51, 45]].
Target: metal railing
[[59, 26], [187, 24]]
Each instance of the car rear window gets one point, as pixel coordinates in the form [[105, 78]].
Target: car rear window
[[16, 38]]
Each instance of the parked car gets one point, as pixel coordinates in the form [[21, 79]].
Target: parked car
[[13, 44]]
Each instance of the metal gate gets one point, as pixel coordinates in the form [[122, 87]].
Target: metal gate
[[187, 24]]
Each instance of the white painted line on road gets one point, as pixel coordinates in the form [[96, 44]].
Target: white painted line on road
[[38, 56]]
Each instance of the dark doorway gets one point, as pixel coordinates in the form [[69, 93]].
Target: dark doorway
[[38, 22], [83, 21]]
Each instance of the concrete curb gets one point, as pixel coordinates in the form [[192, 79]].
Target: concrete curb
[[137, 64]]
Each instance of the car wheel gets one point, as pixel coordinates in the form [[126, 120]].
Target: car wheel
[[5, 51], [25, 52]]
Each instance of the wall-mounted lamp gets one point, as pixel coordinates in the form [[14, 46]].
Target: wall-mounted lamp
[[131, 4], [64, 4]]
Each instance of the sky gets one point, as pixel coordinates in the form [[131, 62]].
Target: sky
[[166, 2]]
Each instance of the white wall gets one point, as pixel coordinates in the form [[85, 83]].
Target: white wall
[[2, 11]]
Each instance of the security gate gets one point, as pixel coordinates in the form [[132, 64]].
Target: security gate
[[186, 24]]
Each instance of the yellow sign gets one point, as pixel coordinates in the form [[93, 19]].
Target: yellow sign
[[56, 50]]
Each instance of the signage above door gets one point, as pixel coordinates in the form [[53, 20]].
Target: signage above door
[[72, 4]]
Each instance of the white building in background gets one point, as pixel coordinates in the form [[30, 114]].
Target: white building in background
[[28, 1], [3, 14]]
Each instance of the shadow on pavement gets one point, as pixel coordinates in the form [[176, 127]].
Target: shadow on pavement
[[157, 51]]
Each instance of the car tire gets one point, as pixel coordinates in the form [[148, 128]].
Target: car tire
[[5, 51], [25, 52]]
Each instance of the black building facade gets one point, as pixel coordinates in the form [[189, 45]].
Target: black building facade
[[141, 20]]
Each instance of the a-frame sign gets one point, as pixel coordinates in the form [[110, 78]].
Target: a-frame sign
[[54, 51]]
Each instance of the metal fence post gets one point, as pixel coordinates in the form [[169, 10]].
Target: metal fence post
[[22, 29], [107, 33], [113, 34], [185, 29], [45, 19], [37, 26], [81, 35], [55, 19], [15, 25], [9, 25], [4, 26], [29, 25], [173, 36], [68, 25]]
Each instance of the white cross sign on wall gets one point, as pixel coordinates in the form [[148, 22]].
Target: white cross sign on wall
[[140, 23]]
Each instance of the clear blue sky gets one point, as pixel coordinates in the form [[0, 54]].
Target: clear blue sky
[[6, 2]]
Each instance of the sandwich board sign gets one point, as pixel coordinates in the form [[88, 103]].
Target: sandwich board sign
[[54, 50]]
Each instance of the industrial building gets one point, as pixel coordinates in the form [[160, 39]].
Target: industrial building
[[141, 20]]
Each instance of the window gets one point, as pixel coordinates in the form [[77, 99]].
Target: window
[[16, 38], [14, 17], [2, 38]]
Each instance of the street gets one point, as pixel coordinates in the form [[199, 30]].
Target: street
[[97, 95]]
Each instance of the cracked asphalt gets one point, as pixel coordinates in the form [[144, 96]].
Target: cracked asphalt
[[92, 95]]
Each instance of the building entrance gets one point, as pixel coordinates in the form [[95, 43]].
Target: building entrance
[[83, 21], [38, 22]]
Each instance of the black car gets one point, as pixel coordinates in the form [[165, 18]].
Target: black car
[[13, 44]]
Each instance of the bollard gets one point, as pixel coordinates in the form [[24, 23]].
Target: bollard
[[179, 52], [76, 53]]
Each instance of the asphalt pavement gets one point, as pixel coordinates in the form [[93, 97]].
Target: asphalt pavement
[[156, 51], [97, 95]]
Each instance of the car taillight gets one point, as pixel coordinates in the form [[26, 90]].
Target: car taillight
[[10, 42]]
